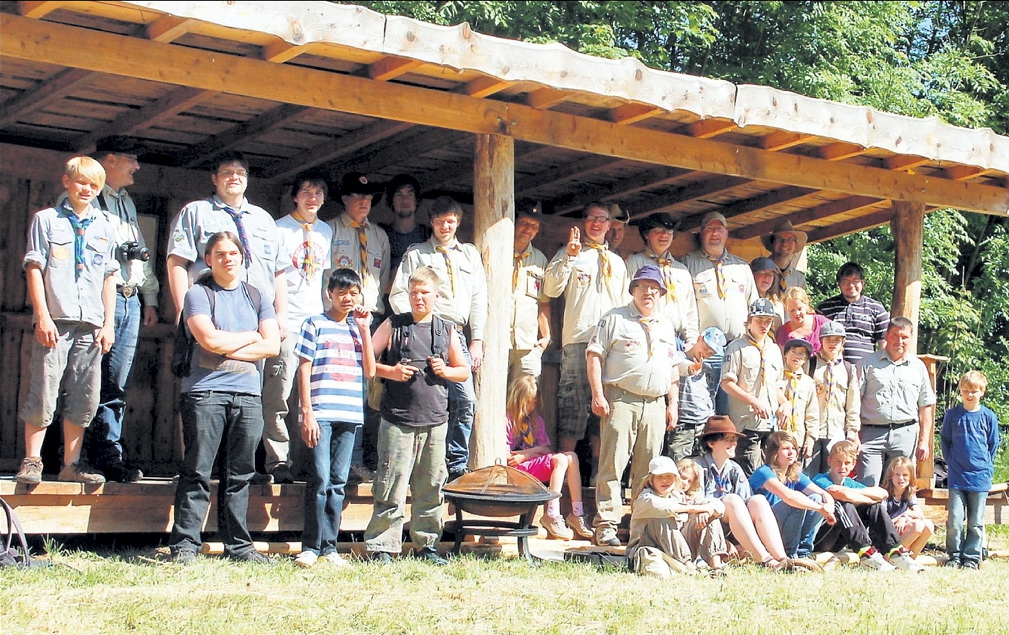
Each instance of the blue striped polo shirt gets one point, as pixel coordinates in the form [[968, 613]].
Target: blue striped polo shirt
[[337, 379]]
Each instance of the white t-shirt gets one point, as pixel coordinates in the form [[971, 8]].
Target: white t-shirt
[[310, 258]]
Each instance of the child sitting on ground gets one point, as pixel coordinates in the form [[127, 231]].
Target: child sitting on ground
[[703, 532], [659, 518], [903, 506], [863, 524], [697, 385], [800, 506], [336, 359], [970, 439], [748, 518], [530, 452]]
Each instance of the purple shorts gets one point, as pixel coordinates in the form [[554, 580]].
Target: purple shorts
[[538, 468]]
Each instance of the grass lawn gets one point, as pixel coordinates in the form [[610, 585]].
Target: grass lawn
[[112, 592]]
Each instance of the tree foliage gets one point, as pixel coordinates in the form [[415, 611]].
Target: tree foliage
[[947, 59]]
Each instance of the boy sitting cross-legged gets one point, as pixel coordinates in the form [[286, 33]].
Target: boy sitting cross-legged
[[863, 524]]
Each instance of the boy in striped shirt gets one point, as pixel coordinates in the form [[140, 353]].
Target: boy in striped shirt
[[336, 358]]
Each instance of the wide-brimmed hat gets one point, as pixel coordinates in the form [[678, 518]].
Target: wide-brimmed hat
[[785, 227], [649, 272], [118, 144], [618, 215], [529, 209], [719, 425], [662, 465], [650, 222], [357, 183]]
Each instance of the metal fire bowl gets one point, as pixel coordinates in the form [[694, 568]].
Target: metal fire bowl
[[497, 506]]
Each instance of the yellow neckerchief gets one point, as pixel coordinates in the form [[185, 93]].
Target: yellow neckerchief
[[720, 281], [605, 268], [791, 393], [666, 265]]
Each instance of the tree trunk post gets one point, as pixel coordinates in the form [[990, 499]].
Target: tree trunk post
[[908, 228], [494, 232]]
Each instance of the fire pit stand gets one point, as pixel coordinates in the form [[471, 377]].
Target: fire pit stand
[[497, 492]]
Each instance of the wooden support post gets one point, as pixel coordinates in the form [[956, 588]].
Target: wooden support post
[[494, 230], [908, 228], [926, 473]]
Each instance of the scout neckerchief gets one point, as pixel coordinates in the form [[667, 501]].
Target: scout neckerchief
[[605, 268], [782, 275], [666, 265], [236, 215], [763, 360], [525, 430], [720, 282], [310, 265], [80, 226], [444, 251], [646, 323], [830, 381], [520, 258], [792, 394], [362, 246]]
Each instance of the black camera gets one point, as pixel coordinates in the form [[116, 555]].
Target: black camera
[[131, 250]]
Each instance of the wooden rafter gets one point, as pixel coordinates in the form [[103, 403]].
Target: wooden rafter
[[851, 226], [38, 9], [280, 51], [621, 189], [236, 135], [632, 113], [904, 163], [810, 215], [575, 169], [43, 94], [390, 68], [840, 150], [25, 39], [781, 139], [168, 28], [168, 106], [546, 98], [965, 172], [334, 148], [716, 186], [708, 128], [391, 151], [483, 87]]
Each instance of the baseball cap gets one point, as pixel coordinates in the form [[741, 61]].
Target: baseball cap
[[713, 216], [832, 329], [662, 465], [763, 263], [762, 307], [118, 144], [715, 339]]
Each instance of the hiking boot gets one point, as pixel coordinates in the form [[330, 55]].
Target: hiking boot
[[334, 559], [873, 560], [606, 537], [577, 525], [184, 556], [251, 555], [31, 470], [79, 473], [381, 557], [902, 559], [455, 473], [430, 555], [261, 479], [119, 473], [555, 528], [306, 559], [282, 474], [360, 474]]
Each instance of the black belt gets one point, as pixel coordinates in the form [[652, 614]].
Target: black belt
[[127, 290], [894, 424]]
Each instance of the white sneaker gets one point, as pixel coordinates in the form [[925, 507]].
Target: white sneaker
[[306, 559], [335, 559], [875, 561], [904, 560]]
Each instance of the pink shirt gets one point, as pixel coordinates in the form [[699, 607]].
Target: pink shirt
[[539, 434], [784, 333]]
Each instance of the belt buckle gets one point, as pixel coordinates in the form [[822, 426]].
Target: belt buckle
[[128, 290]]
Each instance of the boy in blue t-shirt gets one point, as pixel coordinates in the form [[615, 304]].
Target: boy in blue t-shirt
[[969, 439], [863, 523], [336, 358]]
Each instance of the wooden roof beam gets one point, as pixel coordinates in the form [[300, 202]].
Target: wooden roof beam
[[391, 67], [450, 173], [781, 139], [965, 172], [715, 186], [708, 128], [621, 189], [850, 226], [168, 28], [36, 40], [813, 214], [483, 87], [840, 150], [332, 148], [280, 51], [633, 113], [44, 93], [572, 170], [38, 9], [393, 151], [236, 135], [903, 163], [145, 117], [760, 203], [547, 98]]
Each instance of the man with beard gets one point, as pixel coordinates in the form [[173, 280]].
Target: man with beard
[[403, 196]]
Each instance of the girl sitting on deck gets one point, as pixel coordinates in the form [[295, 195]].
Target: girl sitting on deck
[[530, 451], [903, 506]]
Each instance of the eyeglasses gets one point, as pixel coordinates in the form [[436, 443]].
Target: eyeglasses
[[598, 219], [242, 174]]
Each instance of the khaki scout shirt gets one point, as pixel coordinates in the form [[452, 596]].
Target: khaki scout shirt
[[728, 314], [640, 361], [679, 303], [526, 298], [587, 294], [839, 408], [742, 365], [346, 254]]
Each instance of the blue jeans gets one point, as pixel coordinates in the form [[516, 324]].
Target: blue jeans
[[969, 507], [209, 420], [798, 527], [461, 407], [325, 486], [102, 439], [720, 398]]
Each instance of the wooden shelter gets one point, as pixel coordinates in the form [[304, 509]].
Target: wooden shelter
[[340, 88]]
